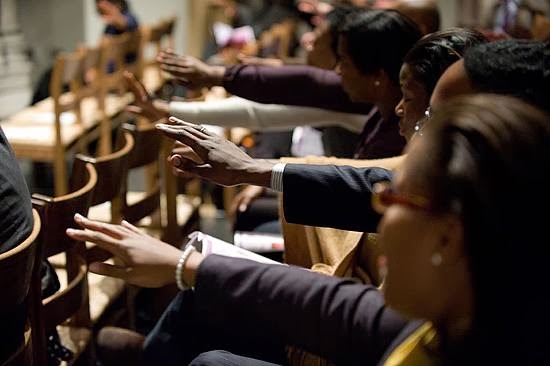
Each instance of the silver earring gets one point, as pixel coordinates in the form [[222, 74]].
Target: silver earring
[[436, 259], [377, 83]]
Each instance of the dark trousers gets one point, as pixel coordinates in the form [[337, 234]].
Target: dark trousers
[[178, 338]]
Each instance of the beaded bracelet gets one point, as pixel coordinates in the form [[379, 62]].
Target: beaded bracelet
[[179, 268]]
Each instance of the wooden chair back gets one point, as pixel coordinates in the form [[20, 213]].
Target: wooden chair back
[[67, 72], [19, 278], [112, 171], [134, 46], [157, 37], [70, 303], [541, 27], [146, 155]]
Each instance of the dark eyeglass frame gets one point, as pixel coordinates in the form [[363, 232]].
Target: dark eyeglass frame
[[384, 195]]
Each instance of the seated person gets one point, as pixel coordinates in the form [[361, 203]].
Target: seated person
[[16, 223], [444, 297]]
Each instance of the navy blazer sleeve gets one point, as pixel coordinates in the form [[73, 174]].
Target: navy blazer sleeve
[[331, 196], [298, 85], [333, 317]]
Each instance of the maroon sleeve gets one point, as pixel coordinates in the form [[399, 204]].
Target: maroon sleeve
[[332, 317], [297, 85]]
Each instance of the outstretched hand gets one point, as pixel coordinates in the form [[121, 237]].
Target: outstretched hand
[[143, 104], [214, 157], [142, 259], [189, 71]]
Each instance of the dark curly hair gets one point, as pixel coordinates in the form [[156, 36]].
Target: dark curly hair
[[379, 39], [513, 67]]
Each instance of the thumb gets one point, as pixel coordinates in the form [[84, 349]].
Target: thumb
[[134, 109], [243, 205]]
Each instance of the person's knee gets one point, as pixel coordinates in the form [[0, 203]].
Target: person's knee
[[212, 358]]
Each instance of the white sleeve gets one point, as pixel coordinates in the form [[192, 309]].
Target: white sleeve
[[239, 112]]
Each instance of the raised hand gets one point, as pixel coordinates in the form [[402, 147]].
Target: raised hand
[[219, 160], [244, 198], [143, 104], [189, 71], [142, 259]]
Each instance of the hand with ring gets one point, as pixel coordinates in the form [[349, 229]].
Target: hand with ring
[[221, 161]]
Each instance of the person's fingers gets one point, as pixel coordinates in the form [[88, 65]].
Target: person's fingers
[[204, 132], [135, 86], [130, 227], [183, 174], [245, 202], [187, 135], [185, 164], [102, 227], [180, 72], [103, 241], [187, 153], [134, 109], [110, 270]]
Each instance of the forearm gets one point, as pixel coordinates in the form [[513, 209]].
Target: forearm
[[386, 163], [239, 112], [331, 196], [317, 88], [332, 317]]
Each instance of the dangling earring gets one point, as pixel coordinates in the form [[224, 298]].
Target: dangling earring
[[376, 83], [436, 259]]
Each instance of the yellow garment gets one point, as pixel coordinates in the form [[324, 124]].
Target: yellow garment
[[331, 251], [417, 350]]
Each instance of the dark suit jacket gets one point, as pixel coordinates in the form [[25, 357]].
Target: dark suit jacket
[[331, 196], [335, 318], [16, 223]]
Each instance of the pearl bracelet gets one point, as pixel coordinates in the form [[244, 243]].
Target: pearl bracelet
[[179, 268]]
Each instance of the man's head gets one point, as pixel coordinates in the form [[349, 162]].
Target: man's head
[[425, 13], [513, 67]]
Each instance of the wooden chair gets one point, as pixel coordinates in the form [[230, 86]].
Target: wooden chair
[[106, 205], [155, 38], [172, 215], [146, 156], [20, 280], [541, 28], [111, 78], [68, 309]]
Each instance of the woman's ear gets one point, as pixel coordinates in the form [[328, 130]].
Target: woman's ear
[[451, 242]]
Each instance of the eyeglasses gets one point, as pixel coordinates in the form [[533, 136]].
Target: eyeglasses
[[384, 195], [420, 123]]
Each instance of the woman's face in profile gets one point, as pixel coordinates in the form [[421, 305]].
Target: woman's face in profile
[[413, 104], [358, 85], [409, 236]]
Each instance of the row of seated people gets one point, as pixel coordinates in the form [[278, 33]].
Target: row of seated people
[[455, 242], [445, 218], [454, 43]]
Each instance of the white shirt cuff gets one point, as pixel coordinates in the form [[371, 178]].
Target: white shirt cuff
[[277, 177]]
